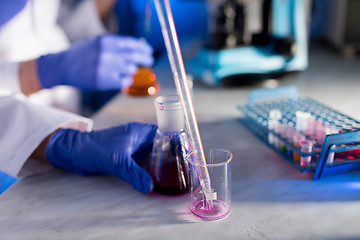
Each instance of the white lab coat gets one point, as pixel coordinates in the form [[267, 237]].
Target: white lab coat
[[23, 123]]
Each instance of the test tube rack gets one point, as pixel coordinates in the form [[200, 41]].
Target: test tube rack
[[337, 153]]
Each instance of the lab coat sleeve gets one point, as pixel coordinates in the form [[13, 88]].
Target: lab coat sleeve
[[23, 127], [9, 76], [80, 21]]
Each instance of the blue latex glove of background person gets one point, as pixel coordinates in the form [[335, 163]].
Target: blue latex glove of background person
[[101, 63], [116, 151]]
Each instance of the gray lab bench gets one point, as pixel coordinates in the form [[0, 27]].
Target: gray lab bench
[[270, 199]]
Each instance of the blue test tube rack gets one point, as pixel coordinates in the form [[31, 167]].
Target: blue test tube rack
[[344, 146]]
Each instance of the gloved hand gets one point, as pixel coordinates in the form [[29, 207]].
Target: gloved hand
[[114, 151], [101, 63]]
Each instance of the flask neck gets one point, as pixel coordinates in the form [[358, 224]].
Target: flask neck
[[169, 114]]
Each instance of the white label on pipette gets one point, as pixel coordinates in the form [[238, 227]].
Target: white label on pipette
[[211, 195]]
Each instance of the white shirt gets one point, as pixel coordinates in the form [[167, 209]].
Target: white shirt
[[24, 124]]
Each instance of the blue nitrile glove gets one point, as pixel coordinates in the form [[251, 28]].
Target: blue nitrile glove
[[101, 63], [116, 151]]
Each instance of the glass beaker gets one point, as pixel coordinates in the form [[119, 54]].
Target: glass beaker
[[167, 167], [144, 83], [216, 204]]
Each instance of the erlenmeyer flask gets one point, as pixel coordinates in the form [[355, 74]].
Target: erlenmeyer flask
[[144, 83], [167, 167]]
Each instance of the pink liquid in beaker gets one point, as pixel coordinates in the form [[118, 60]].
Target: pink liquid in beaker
[[202, 210]]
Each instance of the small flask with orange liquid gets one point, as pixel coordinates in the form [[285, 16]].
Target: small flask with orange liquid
[[144, 83]]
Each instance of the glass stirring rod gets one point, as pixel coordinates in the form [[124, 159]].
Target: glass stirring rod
[[163, 10]]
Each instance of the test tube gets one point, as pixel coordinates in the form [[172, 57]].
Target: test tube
[[311, 127], [166, 20], [306, 147], [298, 126], [282, 131], [290, 138], [274, 117], [302, 121], [272, 124], [277, 130], [321, 132], [297, 138]]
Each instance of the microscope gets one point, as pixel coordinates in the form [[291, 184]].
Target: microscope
[[251, 39]]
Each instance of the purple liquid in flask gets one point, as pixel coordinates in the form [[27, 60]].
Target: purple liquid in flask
[[167, 167]]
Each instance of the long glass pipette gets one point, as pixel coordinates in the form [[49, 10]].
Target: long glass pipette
[[163, 10]]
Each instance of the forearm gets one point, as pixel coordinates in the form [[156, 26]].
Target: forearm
[[104, 7], [29, 80]]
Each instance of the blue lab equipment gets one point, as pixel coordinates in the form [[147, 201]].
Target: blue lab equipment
[[237, 50], [338, 152], [6, 181], [138, 18]]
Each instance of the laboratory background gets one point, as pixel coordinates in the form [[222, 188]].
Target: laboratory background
[[256, 104]]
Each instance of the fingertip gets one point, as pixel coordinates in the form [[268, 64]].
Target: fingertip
[[153, 128], [145, 185], [140, 179], [141, 59], [148, 130], [132, 69], [126, 82], [148, 186], [146, 46], [148, 62], [129, 42]]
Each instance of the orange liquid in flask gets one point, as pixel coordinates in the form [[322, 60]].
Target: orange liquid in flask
[[144, 83]]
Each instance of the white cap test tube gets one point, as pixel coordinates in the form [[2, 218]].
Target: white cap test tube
[[306, 147], [302, 121], [273, 124]]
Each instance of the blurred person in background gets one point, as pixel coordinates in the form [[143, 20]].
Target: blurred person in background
[[41, 74]]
